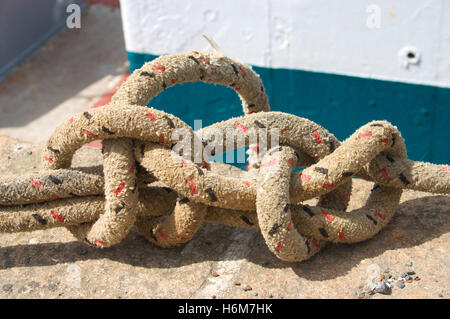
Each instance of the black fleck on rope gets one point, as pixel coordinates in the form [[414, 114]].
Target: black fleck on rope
[[286, 208], [235, 69], [184, 200], [307, 210], [375, 187], [55, 180], [332, 147], [211, 194], [372, 219], [403, 179], [169, 121], [53, 150], [107, 131], [153, 235], [389, 158], [323, 232], [321, 170], [87, 115], [119, 207], [193, 59], [39, 219], [259, 124], [347, 174], [147, 74], [274, 229], [167, 189], [246, 220]]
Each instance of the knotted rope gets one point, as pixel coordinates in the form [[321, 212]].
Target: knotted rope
[[168, 196]]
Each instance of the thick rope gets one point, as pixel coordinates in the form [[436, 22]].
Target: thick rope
[[168, 196]]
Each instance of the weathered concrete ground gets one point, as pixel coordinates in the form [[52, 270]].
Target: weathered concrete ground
[[54, 265]]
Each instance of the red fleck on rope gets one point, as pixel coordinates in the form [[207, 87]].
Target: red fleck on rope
[[159, 68], [241, 127], [163, 235], [161, 138], [101, 242], [327, 215], [318, 137], [57, 216], [48, 159], [150, 115], [315, 243], [305, 177], [246, 183], [345, 196], [329, 185], [36, 183], [279, 246], [192, 186], [242, 72], [291, 161], [119, 189], [366, 134], [379, 215], [341, 236], [272, 162], [132, 168], [204, 60], [89, 133], [385, 174]]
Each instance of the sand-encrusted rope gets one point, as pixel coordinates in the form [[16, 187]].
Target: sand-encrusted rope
[[268, 197], [274, 213]]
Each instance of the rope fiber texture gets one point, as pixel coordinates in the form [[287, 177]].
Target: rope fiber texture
[[168, 196]]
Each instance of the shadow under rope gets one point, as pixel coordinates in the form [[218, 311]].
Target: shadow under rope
[[415, 222]]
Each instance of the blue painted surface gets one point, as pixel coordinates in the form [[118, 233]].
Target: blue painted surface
[[339, 103]]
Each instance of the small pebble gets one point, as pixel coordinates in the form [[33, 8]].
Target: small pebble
[[255, 294], [33, 284], [400, 285], [213, 297], [382, 288], [440, 295], [215, 274], [7, 288], [236, 283], [372, 292], [417, 278], [270, 296], [248, 288], [410, 272], [29, 152], [52, 287], [389, 276], [361, 296], [409, 280], [33, 241], [382, 277], [409, 263]]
